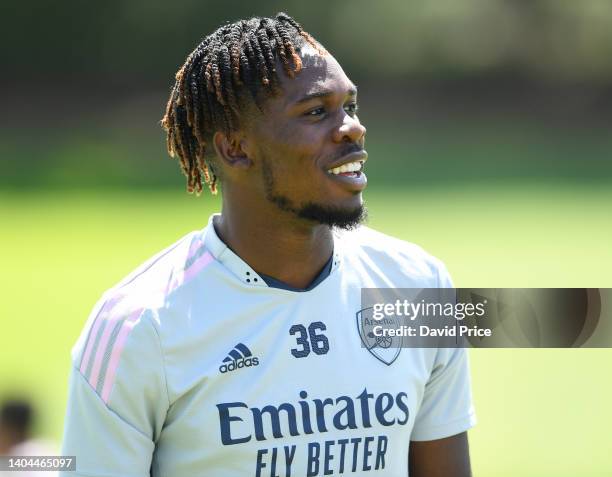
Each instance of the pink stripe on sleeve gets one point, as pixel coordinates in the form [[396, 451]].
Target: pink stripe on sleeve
[[90, 343], [197, 266], [95, 371], [113, 363], [194, 247], [94, 332]]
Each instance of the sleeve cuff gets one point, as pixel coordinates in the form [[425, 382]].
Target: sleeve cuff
[[448, 429]]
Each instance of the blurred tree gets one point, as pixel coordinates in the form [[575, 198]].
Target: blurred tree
[[540, 39]]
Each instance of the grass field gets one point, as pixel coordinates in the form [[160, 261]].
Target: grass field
[[541, 412]]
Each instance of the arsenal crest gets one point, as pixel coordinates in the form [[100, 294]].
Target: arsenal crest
[[384, 348]]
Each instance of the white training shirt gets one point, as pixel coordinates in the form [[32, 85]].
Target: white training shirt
[[194, 366]]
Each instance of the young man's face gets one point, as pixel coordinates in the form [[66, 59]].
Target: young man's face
[[308, 129]]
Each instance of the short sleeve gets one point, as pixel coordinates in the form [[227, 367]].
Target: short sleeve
[[117, 397], [446, 408]]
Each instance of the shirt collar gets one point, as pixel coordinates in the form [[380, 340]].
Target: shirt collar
[[242, 270]]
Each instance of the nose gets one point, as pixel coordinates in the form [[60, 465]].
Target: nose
[[351, 130]]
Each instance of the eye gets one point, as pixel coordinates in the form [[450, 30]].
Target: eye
[[351, 108], [315, 112]]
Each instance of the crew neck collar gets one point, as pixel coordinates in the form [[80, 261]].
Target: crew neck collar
[[242, 270]]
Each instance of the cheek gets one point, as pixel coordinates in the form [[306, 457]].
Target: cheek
[[296, 143], [295, 151]]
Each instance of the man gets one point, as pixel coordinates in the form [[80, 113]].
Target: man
[[15, 425], [235, 351], [16, 441]]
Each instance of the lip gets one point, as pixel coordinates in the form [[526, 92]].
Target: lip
[[352, 157], [352, 184]]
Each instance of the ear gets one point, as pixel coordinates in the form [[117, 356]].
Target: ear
[[232, 149]]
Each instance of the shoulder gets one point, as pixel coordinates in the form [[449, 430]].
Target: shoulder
[[150, 284], [395, 256], [164, 272], [123, 324]]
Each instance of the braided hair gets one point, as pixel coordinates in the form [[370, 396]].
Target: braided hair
[[231, 65]]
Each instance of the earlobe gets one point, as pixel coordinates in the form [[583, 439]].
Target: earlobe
[[231, 150]]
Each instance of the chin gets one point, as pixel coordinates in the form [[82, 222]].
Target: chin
[[343, 214], [346, 217]]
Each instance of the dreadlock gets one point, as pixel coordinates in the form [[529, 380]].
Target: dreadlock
[[237, 60]]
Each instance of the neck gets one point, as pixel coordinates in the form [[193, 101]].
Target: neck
[[276, 244]]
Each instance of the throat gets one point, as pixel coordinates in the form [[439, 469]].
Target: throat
[[290, 256], [298, 286]]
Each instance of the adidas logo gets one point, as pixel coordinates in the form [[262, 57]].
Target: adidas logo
[[237, 358]]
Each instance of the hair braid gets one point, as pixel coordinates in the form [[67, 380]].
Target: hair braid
[[259, 58], [205, 118], [235, 51], [196, 105], [280, 48], [227, 75], [268, 54], [168, 122], [248, 65], [186, 88], [216, 76], [297, 61]]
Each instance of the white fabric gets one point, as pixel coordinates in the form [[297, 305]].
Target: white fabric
[[172, 412]]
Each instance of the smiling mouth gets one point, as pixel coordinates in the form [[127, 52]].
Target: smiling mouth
[[350, 169]]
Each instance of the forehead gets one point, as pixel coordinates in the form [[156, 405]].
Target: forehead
[[319, 74]]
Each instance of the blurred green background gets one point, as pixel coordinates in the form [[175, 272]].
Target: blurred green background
[[489, 134]]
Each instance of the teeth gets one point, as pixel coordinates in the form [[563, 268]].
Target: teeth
[[350, 167]]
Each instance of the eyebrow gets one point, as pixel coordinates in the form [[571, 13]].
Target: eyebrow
[[323, 93]]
